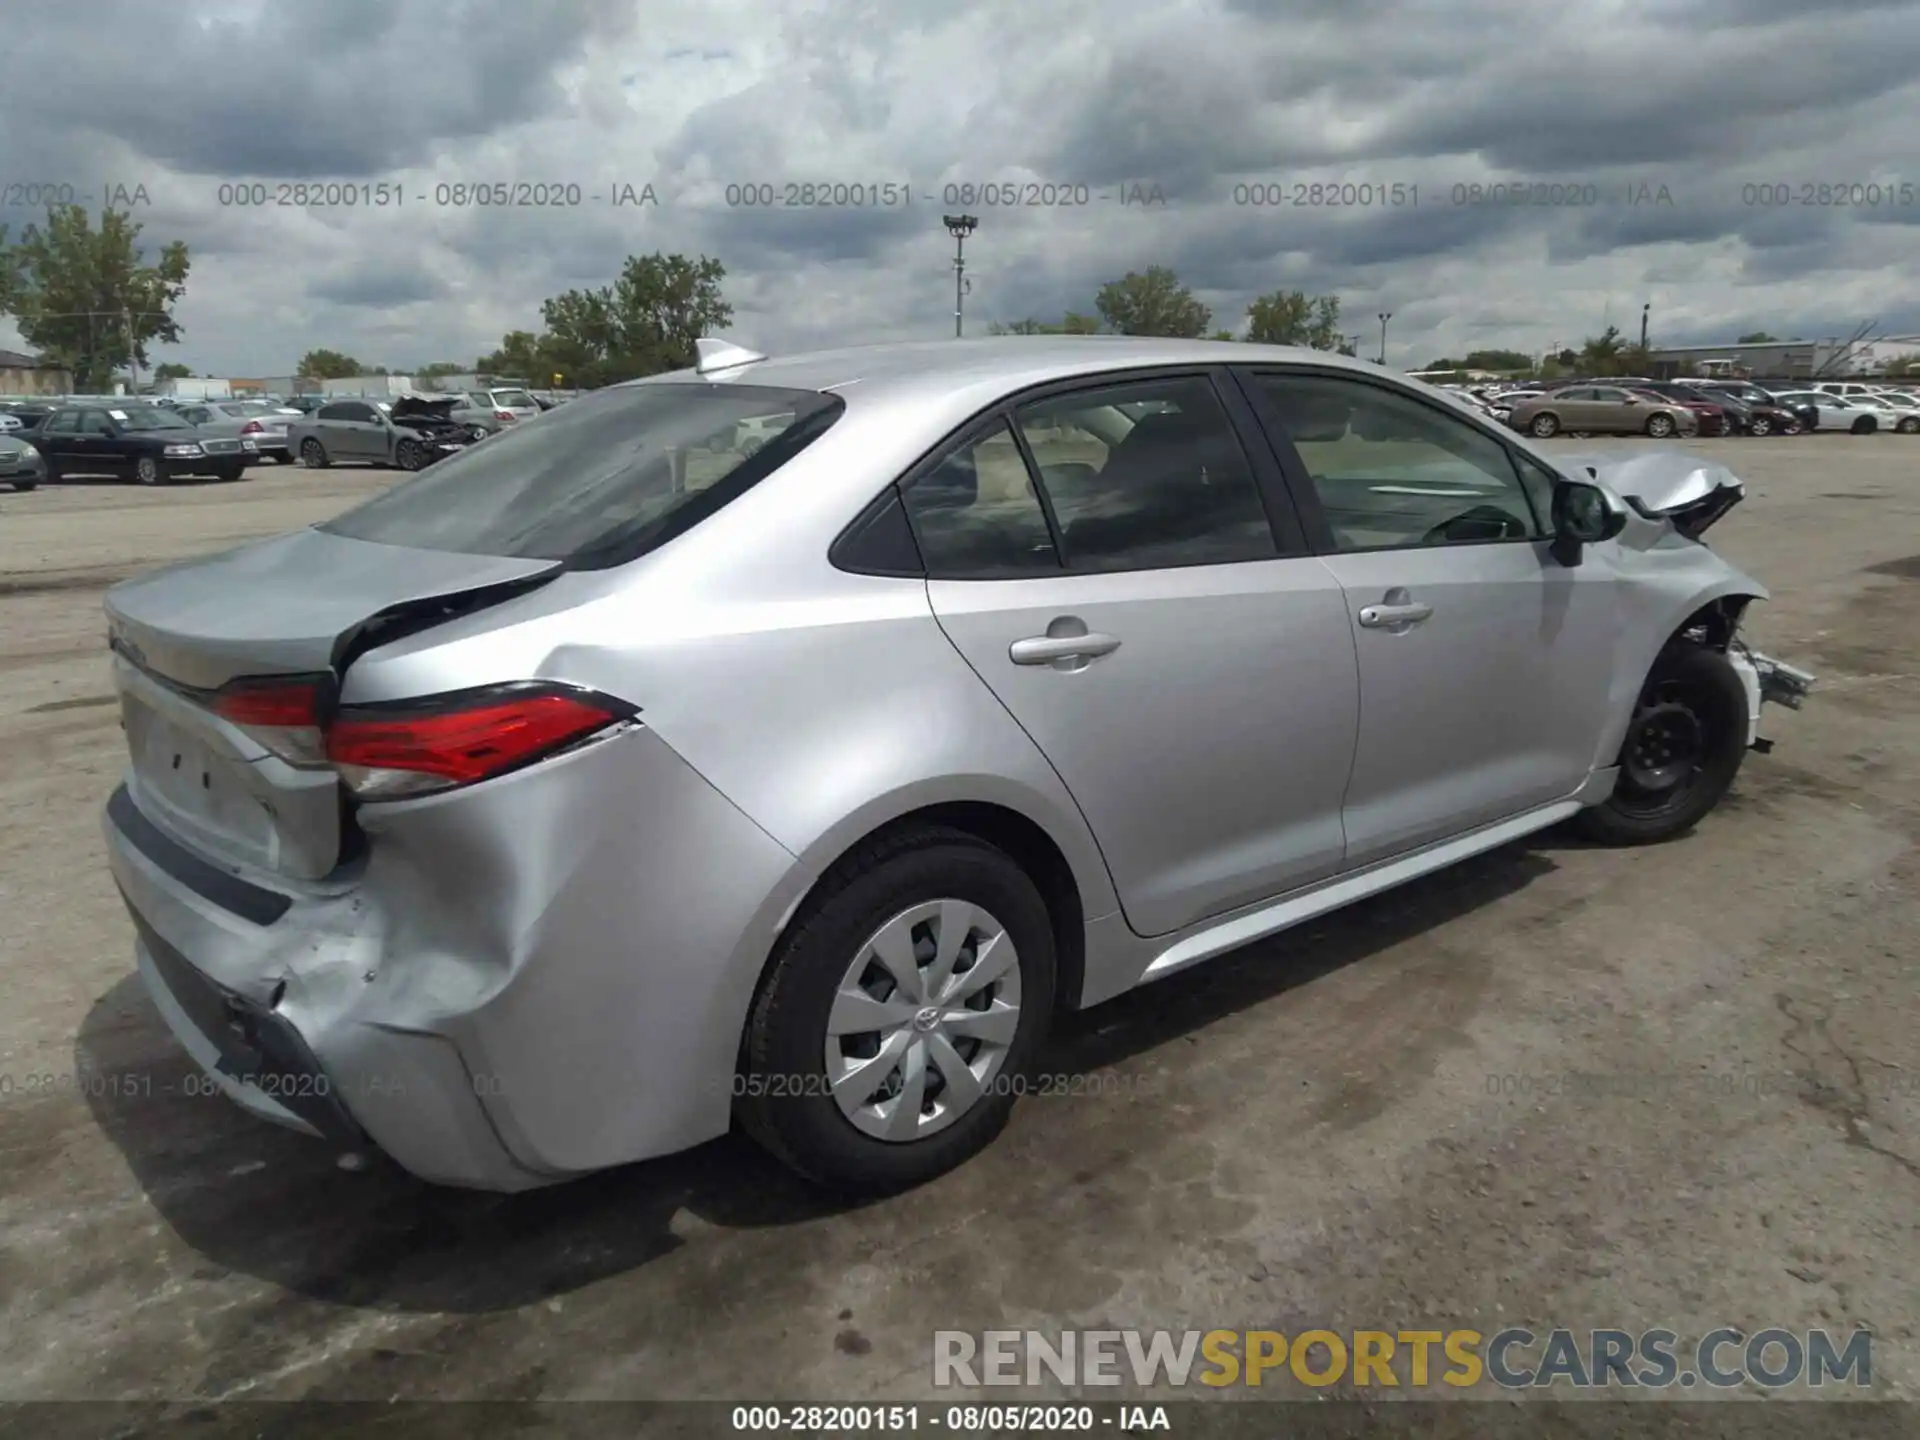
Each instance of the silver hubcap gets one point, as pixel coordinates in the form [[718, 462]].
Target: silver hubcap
[[148, 471], [922, 1020]]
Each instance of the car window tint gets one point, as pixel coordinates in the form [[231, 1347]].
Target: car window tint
[[1173, 486], [1390, 470], [976, 516], [95, 423]]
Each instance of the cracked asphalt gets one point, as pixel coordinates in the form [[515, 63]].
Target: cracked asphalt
[[1557, 1085]]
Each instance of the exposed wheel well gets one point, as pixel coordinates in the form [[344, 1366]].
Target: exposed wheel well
[[1714, 624], [1033, 850]]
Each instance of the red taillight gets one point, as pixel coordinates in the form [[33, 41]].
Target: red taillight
[[253, 427], [280, 712], [503, 415], [408, 748]]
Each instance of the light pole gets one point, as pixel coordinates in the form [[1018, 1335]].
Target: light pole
[[960, 227], [1385, 315], [1644, 309]]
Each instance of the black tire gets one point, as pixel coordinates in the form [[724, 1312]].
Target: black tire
[[783, 1102], [1544, 426], [1682, 750], [313, 454], [281, 457], [151, 471], [25, 485], [410, 455], [236, 471], [1908, 425], [1865, 425], [1660, 427]]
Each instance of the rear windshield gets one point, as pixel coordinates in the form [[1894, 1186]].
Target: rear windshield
[[600, 480], [514, 399]]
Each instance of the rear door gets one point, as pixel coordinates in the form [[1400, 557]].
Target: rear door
[[1484, 664], [59, 439], [1148, 614]]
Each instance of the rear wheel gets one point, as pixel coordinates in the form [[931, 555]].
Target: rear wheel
[[892, 1033], [1544, 427], [1682, 750], [150, 471], [313, 454], [1659, 426]]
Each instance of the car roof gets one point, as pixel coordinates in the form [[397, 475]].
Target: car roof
[[944, 369]]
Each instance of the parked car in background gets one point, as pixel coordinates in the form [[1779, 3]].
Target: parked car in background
[[1714, 416], [264, 424], [1846, 389], [305, 404], [1903, 419], [493, 409], [21, 465], [1765, 414], [29, 416], [1602, 410], [410, 433], [1830, 412], [477, 784], [9, 421], [148, 443]]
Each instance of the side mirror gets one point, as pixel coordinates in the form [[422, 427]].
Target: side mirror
[[1583, 515]]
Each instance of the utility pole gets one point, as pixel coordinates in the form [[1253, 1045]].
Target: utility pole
[[1385, 315], [960, 227], [1643, 323]]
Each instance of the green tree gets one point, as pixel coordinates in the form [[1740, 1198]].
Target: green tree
[[1757, 337], [1020, 327], [1496, 360], [1223, 335], [328, 365], [1068, 324], [1292, 317], [435, 369], [642, 324], [520, 355], [1152, 302], [86, 299], [1601, 354], [172, 371]]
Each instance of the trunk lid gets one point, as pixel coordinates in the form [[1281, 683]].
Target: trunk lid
[[299, 604]]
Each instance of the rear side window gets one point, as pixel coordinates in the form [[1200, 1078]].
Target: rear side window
[[598, 481], [976, 516]]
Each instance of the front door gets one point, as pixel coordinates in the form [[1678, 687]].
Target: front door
[[1150, 620], [1484, 664]]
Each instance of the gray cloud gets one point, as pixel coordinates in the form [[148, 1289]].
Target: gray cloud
[[1735, 106]]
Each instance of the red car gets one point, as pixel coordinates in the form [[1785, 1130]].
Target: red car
[[1712, 418]]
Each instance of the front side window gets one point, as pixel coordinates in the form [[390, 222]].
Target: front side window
[[1391, 471], [1163, 483], [151, 417], [94, 422], [599, 481], [976, 516]]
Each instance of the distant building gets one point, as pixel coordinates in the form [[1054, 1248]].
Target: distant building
[[374, 386], [25, 375], [1786, 359]]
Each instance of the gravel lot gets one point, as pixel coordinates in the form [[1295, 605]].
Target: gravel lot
[[1305, 1134]]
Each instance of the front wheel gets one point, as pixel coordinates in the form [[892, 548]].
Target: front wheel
[[313, 454], [1659, 426], [1909, 425], [409, 455], [1761, 425], [236, 471], [1865, 425], [149, 471], [894, 1029], [1683, 747], [25, 485]]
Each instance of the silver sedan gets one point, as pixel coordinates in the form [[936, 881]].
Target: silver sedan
[[608, 785]]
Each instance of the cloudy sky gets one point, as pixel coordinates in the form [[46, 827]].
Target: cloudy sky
[[1662, 137]]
